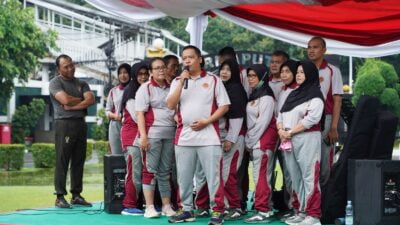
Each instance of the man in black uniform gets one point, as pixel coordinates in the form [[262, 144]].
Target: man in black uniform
[[70, 97]]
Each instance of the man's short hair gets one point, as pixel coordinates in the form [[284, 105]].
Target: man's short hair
[[227, 51], [282, 54], [62, 56], [323, 42], [168, 58], [196, 50]]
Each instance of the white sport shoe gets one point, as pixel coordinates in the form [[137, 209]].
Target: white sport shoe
[[295, 220], [309, 220], [151, 212], [168, 211]]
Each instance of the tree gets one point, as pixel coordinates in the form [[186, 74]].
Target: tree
[[25, 119], [221, 33], [22, 45], [379, 79]]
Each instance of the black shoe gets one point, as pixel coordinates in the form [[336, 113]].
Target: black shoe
[[79, 200], [182, 216], [217, 218], [62, 203]]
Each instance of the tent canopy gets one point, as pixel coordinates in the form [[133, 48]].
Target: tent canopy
[[362, 28]]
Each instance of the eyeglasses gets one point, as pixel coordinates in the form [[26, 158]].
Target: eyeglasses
[[159, 68], [251, 75]]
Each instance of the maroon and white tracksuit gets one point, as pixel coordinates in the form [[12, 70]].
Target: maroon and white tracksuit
[[261, 139], [230, 130], [331, 84], [200, 100], [133, 158], [160, 128], [303, 160]]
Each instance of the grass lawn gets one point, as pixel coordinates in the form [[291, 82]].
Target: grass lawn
[[33, 188], [13, 198]]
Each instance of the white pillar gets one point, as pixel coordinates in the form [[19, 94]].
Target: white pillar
[[351, 73]]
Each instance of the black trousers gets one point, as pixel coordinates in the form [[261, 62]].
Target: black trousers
[[70, 143]]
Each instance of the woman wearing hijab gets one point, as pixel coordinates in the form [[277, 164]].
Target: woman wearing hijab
[[113, 108], [156, 126], [288, 72], [261, 139], [232, 131], [129, 131], [299, 125]]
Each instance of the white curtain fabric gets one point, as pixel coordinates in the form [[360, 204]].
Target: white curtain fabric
[[190, 8], [196, 27], [300, 39], [127, 11]]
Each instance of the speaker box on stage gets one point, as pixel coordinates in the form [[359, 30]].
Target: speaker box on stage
[[114, 183], [374, 189]]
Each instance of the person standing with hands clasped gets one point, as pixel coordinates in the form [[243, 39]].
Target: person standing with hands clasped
[[261, 139], [156, 128], [70, 97], [299, 127], [113, 108], [199, 107]]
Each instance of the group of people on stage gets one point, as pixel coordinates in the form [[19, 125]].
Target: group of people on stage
[[199, 131]]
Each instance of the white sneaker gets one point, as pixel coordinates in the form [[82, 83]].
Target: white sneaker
[[295, 220], [168, 211], [151, 212], [309, 220]]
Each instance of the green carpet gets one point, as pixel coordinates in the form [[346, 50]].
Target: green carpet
[[84, 216]]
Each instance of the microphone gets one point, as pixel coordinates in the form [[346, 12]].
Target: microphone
[[185, 81]]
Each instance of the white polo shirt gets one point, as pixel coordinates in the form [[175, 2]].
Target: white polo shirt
[[151, 98], [276, 86], [199, 101], [331, 82]]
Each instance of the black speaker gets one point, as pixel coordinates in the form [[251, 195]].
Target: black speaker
[[374, 189], [384, 136], [114, 183]]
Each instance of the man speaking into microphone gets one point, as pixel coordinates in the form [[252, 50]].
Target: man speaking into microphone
[[199, 107]]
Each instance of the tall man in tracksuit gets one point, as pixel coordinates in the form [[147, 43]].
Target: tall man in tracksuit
[[331, 83], [199, 107]]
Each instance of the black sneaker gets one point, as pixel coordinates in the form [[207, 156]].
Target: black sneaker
[[202, 213], [79, 200], [62, 203], [217, 218], [234, 214], [182, 216]]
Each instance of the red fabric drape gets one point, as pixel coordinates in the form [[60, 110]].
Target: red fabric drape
[[360, 22]]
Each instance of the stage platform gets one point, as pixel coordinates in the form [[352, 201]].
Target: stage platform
[[84, 216]]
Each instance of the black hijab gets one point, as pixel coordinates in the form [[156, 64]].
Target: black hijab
[[234, 88], [127, 67], [263, 87], [133, 85], [292, 65], [308, 90]]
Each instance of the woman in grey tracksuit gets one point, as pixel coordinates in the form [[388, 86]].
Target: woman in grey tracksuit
[[299, 124]]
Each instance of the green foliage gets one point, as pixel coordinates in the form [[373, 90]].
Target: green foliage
[[25, 119], [101, 148], [44, 155], [22, 44], [391, 100], [368, 84], [379, 79], [89, 149], [221, 32], [11, 156], [100, 128]]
